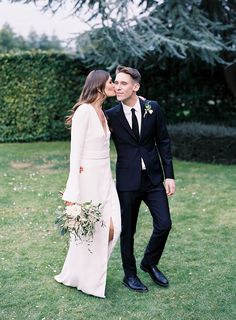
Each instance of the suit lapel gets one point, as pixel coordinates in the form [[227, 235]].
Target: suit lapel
[[122, 118], [143, 119]]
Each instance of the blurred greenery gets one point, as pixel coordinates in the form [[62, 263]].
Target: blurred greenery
[[204, 143], [182, 49], [152, 32], [37, 90], [10, 41]]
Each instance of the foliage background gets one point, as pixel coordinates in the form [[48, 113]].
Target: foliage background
[[36, 92], [190, 92], [38, 88], [181, 48], [10, 41]]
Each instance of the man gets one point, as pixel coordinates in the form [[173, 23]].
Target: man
[[143, 162]]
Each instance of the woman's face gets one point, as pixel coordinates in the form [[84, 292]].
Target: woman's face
[[109, 88]]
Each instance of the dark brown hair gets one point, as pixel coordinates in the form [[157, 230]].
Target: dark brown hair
[[94, 84], [134, 73]]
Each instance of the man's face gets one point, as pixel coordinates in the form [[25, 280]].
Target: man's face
[[125, 87]]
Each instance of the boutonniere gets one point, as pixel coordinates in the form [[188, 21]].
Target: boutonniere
[[147, 109]]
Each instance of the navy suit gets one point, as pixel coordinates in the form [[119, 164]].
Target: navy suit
[[135, 184]]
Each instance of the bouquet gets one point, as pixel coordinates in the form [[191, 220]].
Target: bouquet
[[80, 220]]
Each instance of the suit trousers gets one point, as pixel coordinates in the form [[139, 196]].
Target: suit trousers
[[156, 199]]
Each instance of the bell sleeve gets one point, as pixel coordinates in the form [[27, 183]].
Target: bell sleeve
[[79, 130]]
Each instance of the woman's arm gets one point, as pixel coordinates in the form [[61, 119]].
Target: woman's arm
[[78, 135]]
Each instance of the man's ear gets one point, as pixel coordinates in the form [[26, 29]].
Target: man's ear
[[136, 87]]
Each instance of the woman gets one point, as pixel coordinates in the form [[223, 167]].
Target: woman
[[89, 179]]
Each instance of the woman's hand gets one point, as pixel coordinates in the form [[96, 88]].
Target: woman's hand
[[68, 203]]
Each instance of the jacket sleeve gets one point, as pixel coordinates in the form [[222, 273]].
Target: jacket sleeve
[[108, 115], [79, 129], [164, 145]]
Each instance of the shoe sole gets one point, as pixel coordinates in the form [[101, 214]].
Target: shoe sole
[[139, 291], [154, 279]]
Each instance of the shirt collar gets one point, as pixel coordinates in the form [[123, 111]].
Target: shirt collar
[[127, 109]]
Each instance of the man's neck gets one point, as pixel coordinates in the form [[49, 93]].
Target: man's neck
[[131, 101]]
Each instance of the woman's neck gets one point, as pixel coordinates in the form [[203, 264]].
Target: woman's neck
[[97, 104]]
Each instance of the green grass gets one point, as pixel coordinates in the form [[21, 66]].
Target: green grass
[[199, 258]]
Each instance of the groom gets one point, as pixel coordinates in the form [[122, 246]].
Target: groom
[[143, 162]]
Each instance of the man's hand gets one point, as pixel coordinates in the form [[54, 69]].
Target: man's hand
[[170, 186]]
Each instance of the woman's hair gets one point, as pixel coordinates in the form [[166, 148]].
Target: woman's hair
[[94, 84], [134, 73]]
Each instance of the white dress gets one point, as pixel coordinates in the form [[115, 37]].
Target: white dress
[[86, 269]]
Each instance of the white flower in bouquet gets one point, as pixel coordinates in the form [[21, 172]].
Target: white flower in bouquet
[[80, 220], [73, 211]]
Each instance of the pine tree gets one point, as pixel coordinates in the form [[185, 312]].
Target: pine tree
[[10, 41], [148, 31]]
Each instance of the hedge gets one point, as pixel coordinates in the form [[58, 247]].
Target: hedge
[[203, 143], [36, 91], [191, 93], [38, 88]]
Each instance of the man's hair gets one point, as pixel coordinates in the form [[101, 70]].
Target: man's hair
[[134, 73]]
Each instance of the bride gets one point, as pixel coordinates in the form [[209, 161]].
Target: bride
[[90, 179]]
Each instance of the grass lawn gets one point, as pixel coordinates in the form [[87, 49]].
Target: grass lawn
[[199, 258]]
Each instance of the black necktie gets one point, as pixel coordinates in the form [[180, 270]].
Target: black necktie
[[135, 124]]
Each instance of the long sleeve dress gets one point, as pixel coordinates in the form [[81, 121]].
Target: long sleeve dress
[[86, 269]]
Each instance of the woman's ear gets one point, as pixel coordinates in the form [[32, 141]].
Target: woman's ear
[[102, 93]]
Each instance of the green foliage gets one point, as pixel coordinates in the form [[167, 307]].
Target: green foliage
[[43, 42], [180, 47], [36, 91], [183, 30], [190, 92], [204, 143], [130, 32], [10, 41]]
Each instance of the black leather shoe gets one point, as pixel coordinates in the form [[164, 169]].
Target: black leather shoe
[[156, 275], [133, 283]]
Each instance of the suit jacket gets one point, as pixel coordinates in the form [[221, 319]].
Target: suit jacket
[[153, 147]]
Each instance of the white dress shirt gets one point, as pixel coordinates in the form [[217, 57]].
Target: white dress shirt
[[138, 113]]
